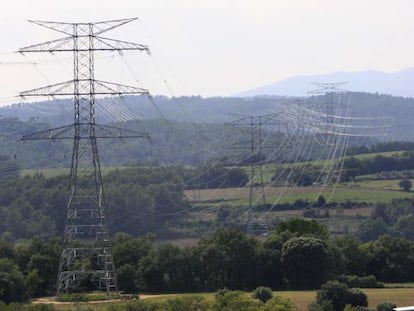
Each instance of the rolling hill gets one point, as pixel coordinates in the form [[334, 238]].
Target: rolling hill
[[395, 83]]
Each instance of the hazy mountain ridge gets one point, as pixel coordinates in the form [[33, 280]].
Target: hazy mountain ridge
[[398, 83]]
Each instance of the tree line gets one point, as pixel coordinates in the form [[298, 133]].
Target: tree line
[[298, 255], [308, 174], [151, 199], [138, 199], [381, 147]]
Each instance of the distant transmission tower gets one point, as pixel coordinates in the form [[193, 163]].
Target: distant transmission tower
[[86, 256], [256, 147], [329, 89]]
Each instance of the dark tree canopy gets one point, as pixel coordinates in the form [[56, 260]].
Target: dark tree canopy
[[405, 184], [306, 260]]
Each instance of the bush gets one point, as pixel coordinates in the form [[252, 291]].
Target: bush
[[127, 275], [262, 293], [324, 305], [279, 304], [369, 281], [357, 297], [85, 297], [405, 184], [228, 300], [386, 306], [356, 308], [40, 307], [138, 306], [340, 295], [196, 303]]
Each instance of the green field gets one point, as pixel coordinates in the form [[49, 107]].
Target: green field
[[268, 170], [53, 172], [367, 191], [399, 296], [47, 172]]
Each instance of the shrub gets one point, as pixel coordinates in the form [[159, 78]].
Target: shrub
[[357, 308], [279, 304], [196, 303], [324, 305], [227, 300], [40, 307], [340, 295], [405, 184], [262, 293], [369, 281], [139, 306], [357, 297], [85, 297], [386, 306]]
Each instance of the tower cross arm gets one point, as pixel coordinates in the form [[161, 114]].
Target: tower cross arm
[[100, 88], [326, 88], [111, 88], [67, 28], [100, 44], [62, 88], [107, 44], [100, 130], [59, 45]]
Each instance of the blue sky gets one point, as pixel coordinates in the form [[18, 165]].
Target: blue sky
[[214, 47]]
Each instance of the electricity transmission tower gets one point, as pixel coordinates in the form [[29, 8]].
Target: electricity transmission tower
[[256, 147], [329, 89], [86, 255]]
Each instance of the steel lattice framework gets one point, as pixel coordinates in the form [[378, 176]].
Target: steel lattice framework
[[329, 89], [256, 147], [86, 256]]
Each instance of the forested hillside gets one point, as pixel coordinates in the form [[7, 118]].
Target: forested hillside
[[196, 109], [170, 143]]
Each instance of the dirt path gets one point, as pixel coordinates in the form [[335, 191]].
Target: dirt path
[[52, 299]]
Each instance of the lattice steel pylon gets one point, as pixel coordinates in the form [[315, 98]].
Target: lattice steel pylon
[[86, 254], [329, 89], [255, 146]]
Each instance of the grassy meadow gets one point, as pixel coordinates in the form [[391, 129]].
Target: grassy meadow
[[371, 191], [53, 172], [401, 296]]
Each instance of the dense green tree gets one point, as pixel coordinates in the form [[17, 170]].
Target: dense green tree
[[306, 260], [216, 176], [405, 225], [227, 300], [12, 285], [356, 257], [386, 306], [129, 250], [44, 259], [9, 168], [391, 259], [185, 303], [405, 184], [373, 229], [227, 259], [339, 295], [324, 305], [127, 278], [262, 293], [269, 269], [170, 268], [278, 303], [303, 227]]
